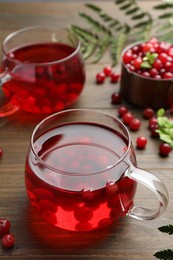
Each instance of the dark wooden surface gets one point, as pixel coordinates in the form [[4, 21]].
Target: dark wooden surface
[[129, 239]]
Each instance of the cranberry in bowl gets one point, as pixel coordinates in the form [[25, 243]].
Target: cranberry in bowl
[[147, 74]]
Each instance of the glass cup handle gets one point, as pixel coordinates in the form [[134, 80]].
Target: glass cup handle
[[7, 109], [156, 186]]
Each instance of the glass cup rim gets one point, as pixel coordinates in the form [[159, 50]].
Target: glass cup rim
[[108, 167], [29, 28]]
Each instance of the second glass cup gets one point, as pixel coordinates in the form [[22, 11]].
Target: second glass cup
[[81, 172], [42, 70]]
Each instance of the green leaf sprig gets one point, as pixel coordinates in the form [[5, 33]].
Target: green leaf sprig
[[166, 254], [148, 60], [165, 127], [105, 32]]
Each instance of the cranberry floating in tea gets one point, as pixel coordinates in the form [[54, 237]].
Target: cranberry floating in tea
[[81, 172], [147, 74], [43, 71]]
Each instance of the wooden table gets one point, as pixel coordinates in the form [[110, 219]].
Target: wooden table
[[130, 238]]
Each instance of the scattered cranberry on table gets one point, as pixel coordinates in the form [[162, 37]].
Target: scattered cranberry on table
[[127, 118], [109, 73], [100, 77], [1, 153], [107, 70], [164, 149], [135, 124], [114, 77], [116, 98], [4, 226], [8, 240], [148, 113], [122, 110], [141, 142]]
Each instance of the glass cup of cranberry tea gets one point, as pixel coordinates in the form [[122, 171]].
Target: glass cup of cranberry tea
[[42, 71], [81, 172], [147, 74]]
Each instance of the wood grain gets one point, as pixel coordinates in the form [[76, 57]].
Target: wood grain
[[127, 240]]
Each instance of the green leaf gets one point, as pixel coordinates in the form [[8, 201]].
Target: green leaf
[[100, 50], [138, 16], [119, 1], [84, 35], [126, 6], [146, 65], [166, 15], [166, 229], [165, 254], [117, 47], [141, 24], [152, 57], [160, 112], [89, 50], [163, 6], [95, 23], [132, 11], [165, 138], [94, 7]]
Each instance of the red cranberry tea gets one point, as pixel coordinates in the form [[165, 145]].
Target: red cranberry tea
[[44, 78], [71, 180]]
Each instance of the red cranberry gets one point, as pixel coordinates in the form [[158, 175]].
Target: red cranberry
[[122, 110], [170, 52], [157, 64], [153, 72], [168, 65], [135, 124], [163, 57], [83, 213], [8, 241], [116, 98], [128, 57], [154, 132], [168, 75], [164, 149], [163, 47], [137, 63], [152, 121], [148, 113], [127, 118], [111, 188], [146, 74], [114, 77], [100, 77], [141, 142], [1, 152], [4, 226], [107, 70], [87, 195]]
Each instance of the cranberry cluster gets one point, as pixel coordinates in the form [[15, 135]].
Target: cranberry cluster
[[150, 59], [131, 60], [164, 148], [134, 124], [7, 238], [107, 72], [5, 225]]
